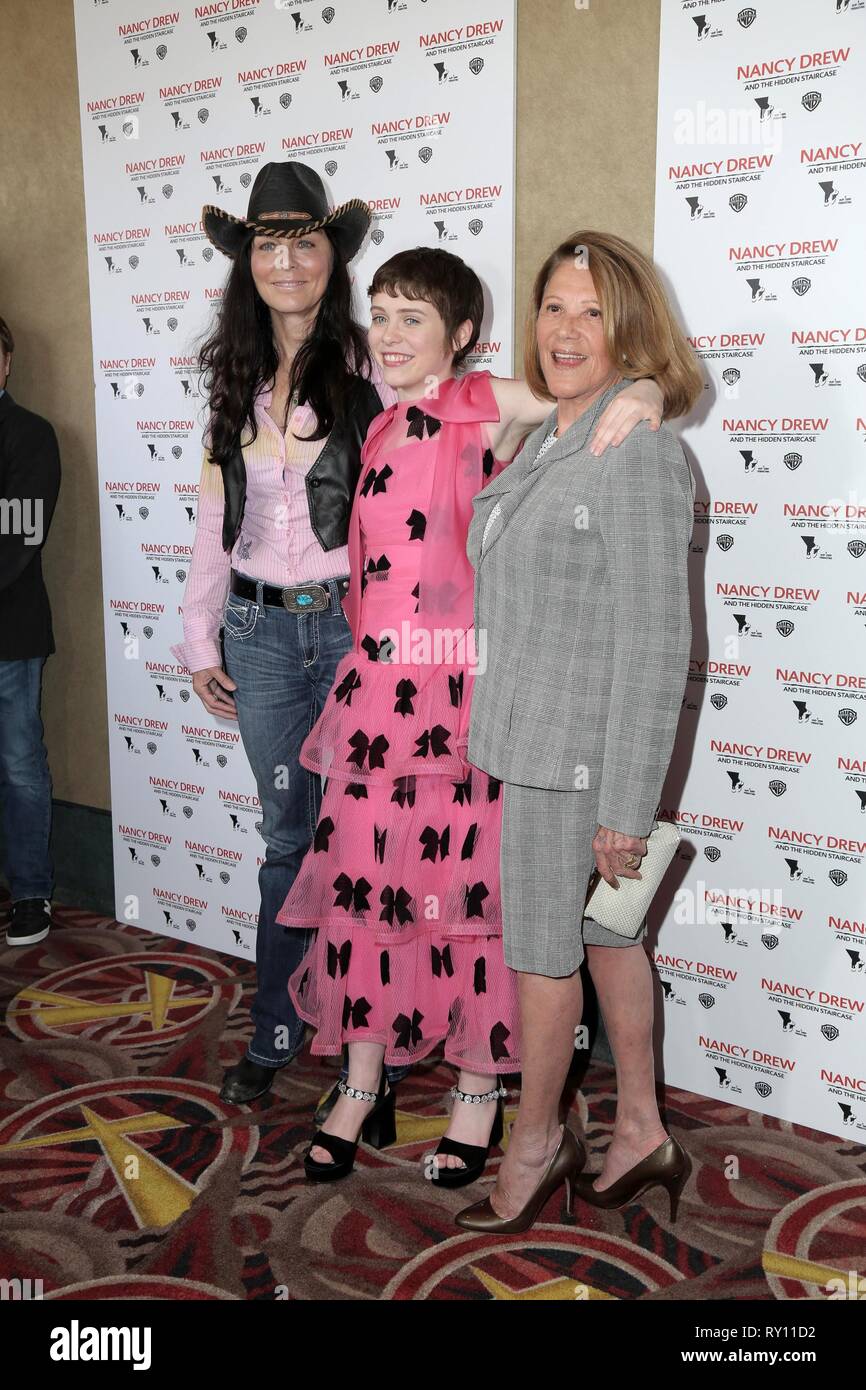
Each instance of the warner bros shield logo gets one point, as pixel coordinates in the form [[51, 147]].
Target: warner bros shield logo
[[476, 66], [861, 371], [838, 876], [718, 701], [811, 100], [377, 236], [784, 627], [724, 541], [770, 941], [730, 376], [713, 853], [778, 788], [707, 1000], [857, 548], [793, 461], [764, 1089], [425, 154], [801, 285], [737, 202], [747, 17], [376, 84], [829, 1031], [331, 168], [328, 13], [847, 716]]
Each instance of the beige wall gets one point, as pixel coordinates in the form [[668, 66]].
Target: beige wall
[[44, 299], [585, 157]]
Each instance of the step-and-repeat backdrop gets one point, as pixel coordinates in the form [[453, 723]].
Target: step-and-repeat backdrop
[[407, 105], [760, 228]]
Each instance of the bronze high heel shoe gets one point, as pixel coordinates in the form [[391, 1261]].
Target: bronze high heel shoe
[[564, 1166], [667, 1166]]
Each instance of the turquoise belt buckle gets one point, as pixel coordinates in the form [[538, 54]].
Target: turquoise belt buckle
[[307, 598]]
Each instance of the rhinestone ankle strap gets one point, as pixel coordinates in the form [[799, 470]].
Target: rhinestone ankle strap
[[469, 1099], [354, 1094]]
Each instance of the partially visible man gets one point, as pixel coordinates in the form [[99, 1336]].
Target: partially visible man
[[29, 483]]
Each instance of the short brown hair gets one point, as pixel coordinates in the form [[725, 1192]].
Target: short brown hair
[[7, 342], [643, 337], [443, 280]]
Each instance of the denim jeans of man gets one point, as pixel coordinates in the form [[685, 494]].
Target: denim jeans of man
[[25, 781], [284, 665]]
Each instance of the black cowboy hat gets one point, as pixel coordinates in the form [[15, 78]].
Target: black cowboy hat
[[288, 200]]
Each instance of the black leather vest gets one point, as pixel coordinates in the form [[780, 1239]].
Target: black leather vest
[[330, 481]]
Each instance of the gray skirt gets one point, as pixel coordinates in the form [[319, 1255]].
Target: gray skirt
[[545, 863]]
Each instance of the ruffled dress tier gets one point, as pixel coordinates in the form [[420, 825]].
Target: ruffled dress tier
[[402, 878]]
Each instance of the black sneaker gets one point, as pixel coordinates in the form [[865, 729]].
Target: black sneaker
[[31, 922]]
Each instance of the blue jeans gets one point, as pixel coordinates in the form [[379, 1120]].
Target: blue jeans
[[25, 781], [283, 664]]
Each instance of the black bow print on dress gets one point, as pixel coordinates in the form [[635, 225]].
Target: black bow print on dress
[[404, 791], [379, 838], [463, 791], [417, 422], [347, 687], [404, 691], [479, 978], [352, 895], [417, 523], [384, 967], [469, 843], [455, 690], [433, 741], [376, 482], [373, 750], [356, 1013], [338, 960], [498, 1034], [378, 651], [493, 787], [487, 462], [375, 569], [305, 980], [408, 1029], [441, 960], [356, 790], [395, 905], [434, 843], [321, 839], [473, 906]]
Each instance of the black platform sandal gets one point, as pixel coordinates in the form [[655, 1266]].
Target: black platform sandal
[[328, 1102], [474, 1156], [379, 1129]]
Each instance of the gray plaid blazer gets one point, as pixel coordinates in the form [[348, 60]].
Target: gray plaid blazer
[[581, 595]]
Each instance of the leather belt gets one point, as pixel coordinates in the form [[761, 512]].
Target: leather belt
[[298, 598]]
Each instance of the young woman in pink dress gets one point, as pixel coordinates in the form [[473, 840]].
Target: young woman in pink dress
[[402, 878]]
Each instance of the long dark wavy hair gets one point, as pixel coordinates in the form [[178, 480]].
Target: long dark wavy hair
[[240, 355]]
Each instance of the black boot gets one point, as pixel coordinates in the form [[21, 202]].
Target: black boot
[[247, 1081]]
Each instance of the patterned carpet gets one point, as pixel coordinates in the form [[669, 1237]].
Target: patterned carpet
[[122, 1174]]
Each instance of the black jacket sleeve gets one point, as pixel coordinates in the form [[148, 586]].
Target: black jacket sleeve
[[30, 480]]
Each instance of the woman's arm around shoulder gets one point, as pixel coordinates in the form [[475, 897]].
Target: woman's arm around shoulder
[[520, 412]]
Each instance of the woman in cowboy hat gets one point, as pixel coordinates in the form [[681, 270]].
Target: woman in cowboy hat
[[287, 372], [290, 394]]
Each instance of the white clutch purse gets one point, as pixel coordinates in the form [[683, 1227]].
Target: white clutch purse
[[622, 910]]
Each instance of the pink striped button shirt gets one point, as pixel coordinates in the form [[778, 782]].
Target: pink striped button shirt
[[276, 542]]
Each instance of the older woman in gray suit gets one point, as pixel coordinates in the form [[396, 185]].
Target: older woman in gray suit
[[582, 591]]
